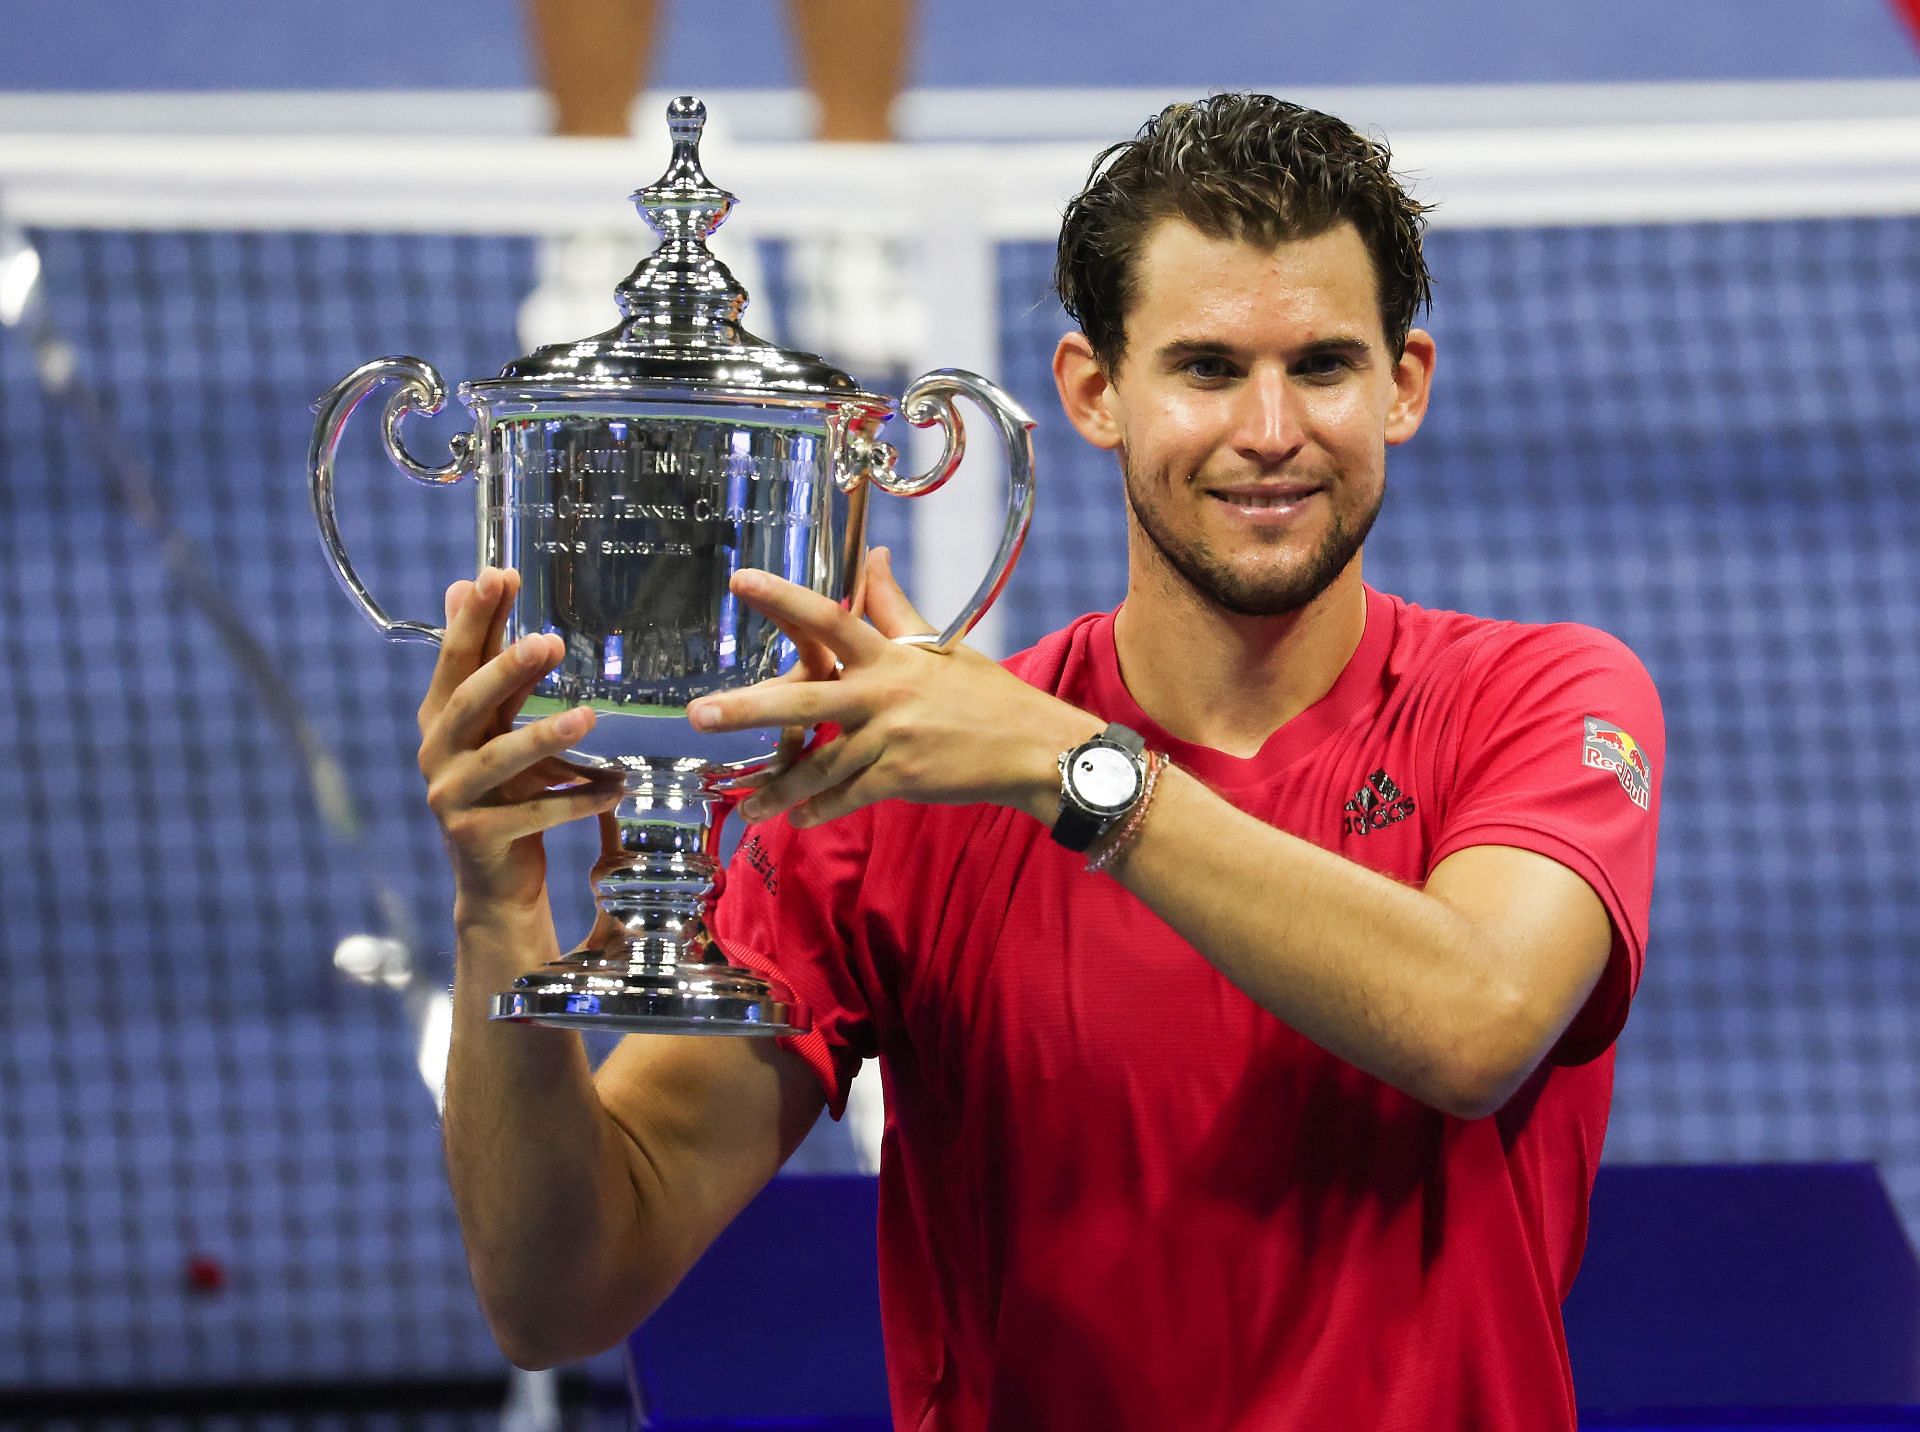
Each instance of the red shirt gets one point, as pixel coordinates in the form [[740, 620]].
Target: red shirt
[[1114, 1192]]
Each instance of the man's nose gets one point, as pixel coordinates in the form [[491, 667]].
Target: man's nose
[[1268, 426]]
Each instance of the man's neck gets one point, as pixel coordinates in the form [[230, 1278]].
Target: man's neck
[[1215, 678]]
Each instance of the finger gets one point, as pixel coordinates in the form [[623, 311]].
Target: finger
[[550, 774], [465, 721], [516, 699], [447, 670], [859, 790], [778, 703], [888, 606], [471, 609], [470, 777], [497, 826], [805, 615], [828, 766], [793, 739], [816, 659], [791, 746], [503, 607]]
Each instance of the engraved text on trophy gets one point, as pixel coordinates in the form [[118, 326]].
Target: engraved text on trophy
[[626, 534]]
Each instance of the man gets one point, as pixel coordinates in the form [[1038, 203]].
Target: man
[[1287, 1115]]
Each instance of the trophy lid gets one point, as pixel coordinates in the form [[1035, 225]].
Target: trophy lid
[[682, 304]]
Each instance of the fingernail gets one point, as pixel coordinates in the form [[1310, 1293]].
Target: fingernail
[[748, 581], [753, 808], [575, 721], [528, 650], [704, 718]]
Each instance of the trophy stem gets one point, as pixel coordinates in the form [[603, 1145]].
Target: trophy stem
[[659, 886], [661, 972]]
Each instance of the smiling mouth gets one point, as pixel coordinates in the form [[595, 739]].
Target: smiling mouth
[[1263, 501]]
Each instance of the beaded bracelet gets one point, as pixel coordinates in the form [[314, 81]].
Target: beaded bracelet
[[1111, 852]]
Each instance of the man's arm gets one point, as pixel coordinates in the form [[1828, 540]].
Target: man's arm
[[583, 1199], [1452, 994]]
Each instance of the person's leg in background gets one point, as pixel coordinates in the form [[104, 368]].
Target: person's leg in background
[[852, 298], [591, 57], [854, 56]]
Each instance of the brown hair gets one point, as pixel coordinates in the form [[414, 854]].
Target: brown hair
[[1236, 166]]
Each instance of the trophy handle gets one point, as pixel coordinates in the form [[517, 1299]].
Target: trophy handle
[[421, 390], [929, 401]]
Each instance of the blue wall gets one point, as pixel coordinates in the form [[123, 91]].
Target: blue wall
[[373, 44]]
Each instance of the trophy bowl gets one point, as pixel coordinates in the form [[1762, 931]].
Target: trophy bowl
[[627, 476]]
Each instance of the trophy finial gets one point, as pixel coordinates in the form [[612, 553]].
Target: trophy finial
[[682, 289], [686, 117], [683, 202]]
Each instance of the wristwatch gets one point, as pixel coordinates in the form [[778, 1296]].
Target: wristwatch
[[1099, 782]]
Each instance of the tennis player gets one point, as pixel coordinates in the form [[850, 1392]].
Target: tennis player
[[1243, 965]]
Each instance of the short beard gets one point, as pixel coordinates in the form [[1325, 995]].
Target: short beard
[[1269, 595]]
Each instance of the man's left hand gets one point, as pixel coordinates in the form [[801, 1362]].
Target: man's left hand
[[913, 724]]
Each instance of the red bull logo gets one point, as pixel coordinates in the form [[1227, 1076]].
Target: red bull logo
[[1611, 749]]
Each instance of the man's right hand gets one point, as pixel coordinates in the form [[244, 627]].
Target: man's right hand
[[495, 788], [583, 1197]]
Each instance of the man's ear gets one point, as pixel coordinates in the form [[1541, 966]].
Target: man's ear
[[1412, 386], [1086, 393]]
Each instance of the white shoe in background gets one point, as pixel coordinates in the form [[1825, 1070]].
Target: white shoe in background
[[574, 279], [575, 276], [853, 301]]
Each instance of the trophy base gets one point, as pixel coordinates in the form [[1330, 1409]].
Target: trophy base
[[651, 998]]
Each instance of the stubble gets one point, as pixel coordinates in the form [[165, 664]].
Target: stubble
[[1269, 592]]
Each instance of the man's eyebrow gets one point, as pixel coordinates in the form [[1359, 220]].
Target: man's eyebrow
[[1336, 346], [1197, 348]]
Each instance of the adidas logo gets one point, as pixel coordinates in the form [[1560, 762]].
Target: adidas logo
[[1375, 806]]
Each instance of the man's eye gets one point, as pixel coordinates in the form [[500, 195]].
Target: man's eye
[[1323, 366], [1207, 369]]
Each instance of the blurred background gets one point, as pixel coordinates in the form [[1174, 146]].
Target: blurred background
[[1677, 260]]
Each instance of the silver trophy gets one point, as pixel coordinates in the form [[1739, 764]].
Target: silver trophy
[[628, 476]]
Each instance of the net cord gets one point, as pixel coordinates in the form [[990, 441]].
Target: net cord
[[1479, 178]]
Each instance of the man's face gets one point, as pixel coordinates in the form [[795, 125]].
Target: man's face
[[1252, 411]]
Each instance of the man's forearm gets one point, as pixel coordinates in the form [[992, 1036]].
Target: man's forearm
[[1389, 978], [541, 1185]]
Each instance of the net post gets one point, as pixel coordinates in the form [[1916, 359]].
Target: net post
[[956, 531]]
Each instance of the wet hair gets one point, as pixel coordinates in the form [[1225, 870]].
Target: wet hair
[[1236, 166]]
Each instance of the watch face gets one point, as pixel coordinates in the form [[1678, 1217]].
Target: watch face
[[1104, 778]]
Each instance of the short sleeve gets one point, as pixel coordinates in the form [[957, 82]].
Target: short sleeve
[[1561, 750], [788, 909]]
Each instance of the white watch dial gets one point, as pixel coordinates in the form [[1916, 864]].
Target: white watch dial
[[1105, 779]]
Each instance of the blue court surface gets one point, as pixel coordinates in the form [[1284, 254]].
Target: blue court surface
[[1736, 1297]]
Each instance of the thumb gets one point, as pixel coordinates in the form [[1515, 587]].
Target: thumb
[[888, 607]]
